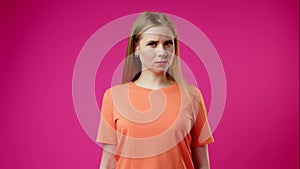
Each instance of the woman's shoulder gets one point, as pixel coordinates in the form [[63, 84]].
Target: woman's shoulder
[[196, 91], [117, 87], [122, 85], [115, 91]]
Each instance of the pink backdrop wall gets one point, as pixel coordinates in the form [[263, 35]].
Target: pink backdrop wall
[[257, 41]]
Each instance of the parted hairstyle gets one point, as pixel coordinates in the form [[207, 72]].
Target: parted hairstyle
[[133, 66]]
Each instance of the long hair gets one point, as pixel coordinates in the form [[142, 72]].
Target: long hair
[[133, 66]]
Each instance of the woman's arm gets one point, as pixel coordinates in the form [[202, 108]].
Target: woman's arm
[[201, 157], [108, 159]]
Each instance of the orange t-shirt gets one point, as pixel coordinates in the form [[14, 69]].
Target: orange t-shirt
[[153, 128]]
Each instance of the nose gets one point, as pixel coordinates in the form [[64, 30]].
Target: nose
[[161, 52]]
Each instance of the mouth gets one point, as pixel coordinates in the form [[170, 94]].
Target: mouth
[[161, 63]]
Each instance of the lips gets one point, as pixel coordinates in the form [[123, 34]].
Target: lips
[[161, 63]]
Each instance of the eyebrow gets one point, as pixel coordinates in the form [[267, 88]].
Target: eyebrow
[[170, 40], [152, 41]]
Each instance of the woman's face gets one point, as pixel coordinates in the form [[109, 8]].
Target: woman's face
[[156, 49]]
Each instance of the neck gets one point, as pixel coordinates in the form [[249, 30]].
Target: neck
[[153, 80]]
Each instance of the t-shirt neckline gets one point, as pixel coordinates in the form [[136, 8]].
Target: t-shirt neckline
[[132, 84]]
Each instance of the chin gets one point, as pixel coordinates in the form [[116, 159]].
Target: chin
[[158, 71]]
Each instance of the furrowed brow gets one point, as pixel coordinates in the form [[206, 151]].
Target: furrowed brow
[[152, 41]]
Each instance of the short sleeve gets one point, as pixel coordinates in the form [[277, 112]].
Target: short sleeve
[[201, 132], [107, 132]]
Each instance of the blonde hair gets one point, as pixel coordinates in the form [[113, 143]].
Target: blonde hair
[[132, 67]]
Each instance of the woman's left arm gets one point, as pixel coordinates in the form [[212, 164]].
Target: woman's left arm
[[201, 157]]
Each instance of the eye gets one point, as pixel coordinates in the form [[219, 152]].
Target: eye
[[152, 44], [169, 43]]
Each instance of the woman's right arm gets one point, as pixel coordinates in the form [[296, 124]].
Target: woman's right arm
[[108, 158]]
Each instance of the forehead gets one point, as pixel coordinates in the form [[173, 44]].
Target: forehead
[[158, 32]]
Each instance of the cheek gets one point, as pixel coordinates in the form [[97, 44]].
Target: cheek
[[147, 56], [146, 60], [150, 53], [171, 51]]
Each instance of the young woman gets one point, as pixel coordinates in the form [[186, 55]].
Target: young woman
[[154, 119]]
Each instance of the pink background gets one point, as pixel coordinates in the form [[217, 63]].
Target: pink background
[[258, 43]]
